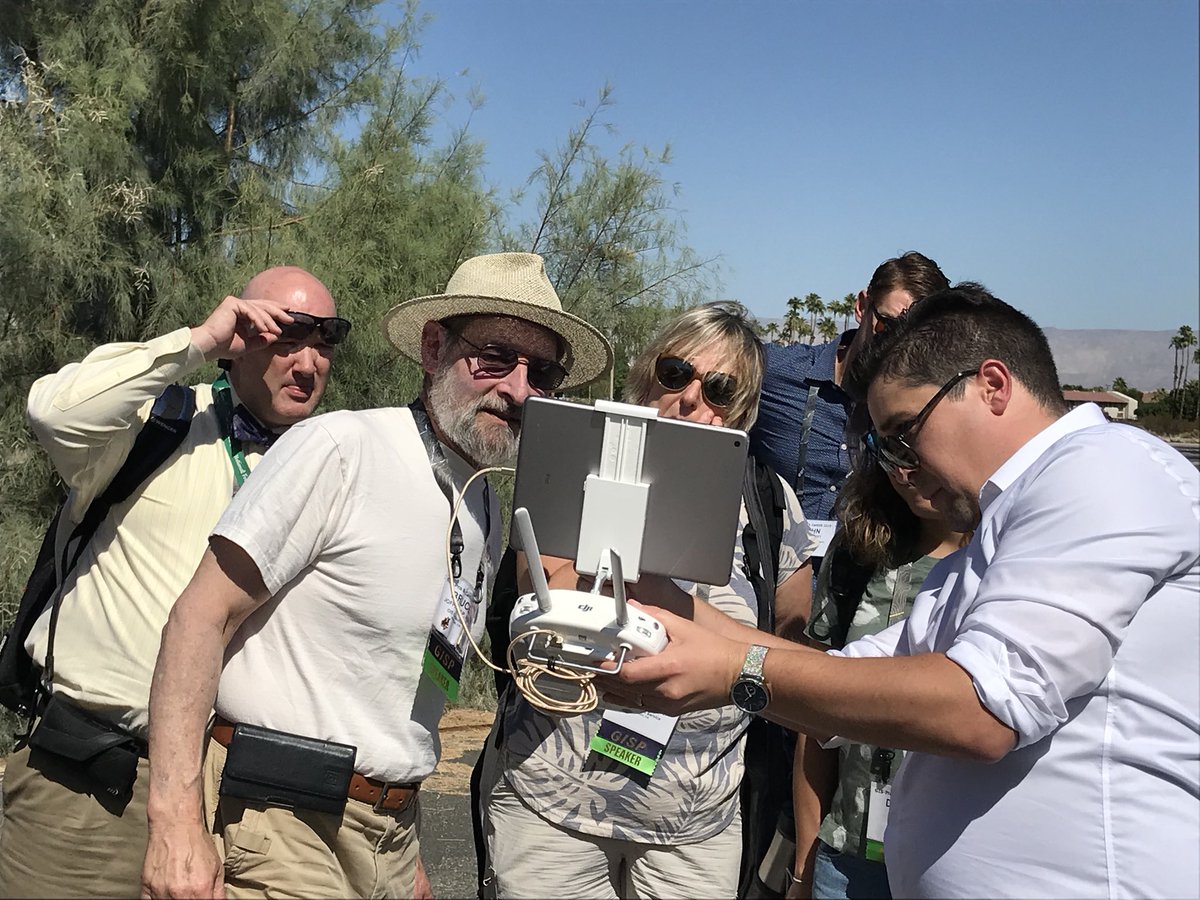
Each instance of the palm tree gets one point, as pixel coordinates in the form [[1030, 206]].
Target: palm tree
[[772, 330], [791, 326], [843, 308], [1196, 360], [1183, 339], [794, 306], [1187, 338], [828, 329], [814, 306]]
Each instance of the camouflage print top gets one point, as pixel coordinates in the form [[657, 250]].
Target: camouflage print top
[[693, 793], [888, 598]]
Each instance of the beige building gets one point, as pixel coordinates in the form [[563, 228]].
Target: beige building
[[1116, 405]]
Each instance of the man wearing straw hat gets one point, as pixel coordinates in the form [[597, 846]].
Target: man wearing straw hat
[[322, 588]]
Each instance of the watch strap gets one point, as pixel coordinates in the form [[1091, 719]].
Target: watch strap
[[754, 661]]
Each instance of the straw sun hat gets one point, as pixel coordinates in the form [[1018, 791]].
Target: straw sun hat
[[503, 284]]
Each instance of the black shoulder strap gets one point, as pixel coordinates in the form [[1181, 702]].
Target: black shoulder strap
[[848, 580], [762, 536], [165, 430]]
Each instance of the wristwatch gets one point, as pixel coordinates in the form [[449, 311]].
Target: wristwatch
[[749, 692]]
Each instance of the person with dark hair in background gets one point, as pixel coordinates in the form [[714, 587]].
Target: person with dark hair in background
[[64, 832], [1046, 684], [889, 538]]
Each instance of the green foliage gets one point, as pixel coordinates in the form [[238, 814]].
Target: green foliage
[[154, 154]]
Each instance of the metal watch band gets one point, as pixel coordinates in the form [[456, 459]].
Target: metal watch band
[[754, 660]]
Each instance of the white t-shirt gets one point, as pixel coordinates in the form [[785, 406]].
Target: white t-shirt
[[348, 528], [1076, 612]]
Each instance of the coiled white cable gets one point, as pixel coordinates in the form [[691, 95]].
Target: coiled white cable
[[524, 672]]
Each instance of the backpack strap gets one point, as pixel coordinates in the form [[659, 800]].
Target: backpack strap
[[169, 423], [762, 536]]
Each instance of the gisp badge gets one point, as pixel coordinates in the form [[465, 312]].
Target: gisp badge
[[448, 638], [635, 739]]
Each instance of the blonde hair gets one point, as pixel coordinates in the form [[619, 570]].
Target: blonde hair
[[725, 324]]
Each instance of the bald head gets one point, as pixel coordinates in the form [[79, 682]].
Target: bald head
[[292, 287]]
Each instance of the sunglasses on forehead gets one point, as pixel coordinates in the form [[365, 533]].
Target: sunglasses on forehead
[[333, 329], [675, 374], [497, 360]]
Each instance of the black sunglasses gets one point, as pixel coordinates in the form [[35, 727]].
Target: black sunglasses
[[497, 360], [881, 322], [333, 329], [895, 452], [675, 374]]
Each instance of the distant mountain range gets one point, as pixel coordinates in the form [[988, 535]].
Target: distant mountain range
[[1096, 357]]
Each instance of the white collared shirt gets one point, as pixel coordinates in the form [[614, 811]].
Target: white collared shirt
[[1076, 612]]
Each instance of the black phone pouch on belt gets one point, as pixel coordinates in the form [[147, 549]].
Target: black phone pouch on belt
[[289, 770], [103, 754]]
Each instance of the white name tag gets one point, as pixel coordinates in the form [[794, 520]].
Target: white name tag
[[879, 804], [822, 531]]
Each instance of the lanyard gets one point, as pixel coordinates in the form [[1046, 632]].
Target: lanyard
[[441, 474], [224, 400], [810, 409]]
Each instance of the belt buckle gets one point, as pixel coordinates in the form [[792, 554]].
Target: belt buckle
[[378, 807]]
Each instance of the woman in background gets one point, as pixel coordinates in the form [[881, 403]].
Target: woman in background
[[890, 536]]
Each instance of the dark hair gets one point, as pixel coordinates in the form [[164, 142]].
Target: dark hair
[[877, 526], [912, 271], [956, 330]]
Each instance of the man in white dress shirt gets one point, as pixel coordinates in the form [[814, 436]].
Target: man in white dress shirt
[[1048, 680]]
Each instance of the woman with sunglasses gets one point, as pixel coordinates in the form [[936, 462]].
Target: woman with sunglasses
[[889, 538], [558, 817]]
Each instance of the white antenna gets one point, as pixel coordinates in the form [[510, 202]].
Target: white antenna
[[532, 557]]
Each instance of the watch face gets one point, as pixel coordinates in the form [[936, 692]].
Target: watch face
[[749, 695]]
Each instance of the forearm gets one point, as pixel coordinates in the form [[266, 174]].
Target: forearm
[[814, 778], [181, 697], [225, 589], [924, 702], [85, 415]]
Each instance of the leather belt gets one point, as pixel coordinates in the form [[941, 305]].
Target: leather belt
[[379, 795]]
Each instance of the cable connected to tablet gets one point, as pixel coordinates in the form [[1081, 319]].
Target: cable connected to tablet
[[524, 671]]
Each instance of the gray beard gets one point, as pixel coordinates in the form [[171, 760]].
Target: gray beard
[[457, 417]]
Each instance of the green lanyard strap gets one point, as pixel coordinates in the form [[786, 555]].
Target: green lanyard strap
[[223, 397]]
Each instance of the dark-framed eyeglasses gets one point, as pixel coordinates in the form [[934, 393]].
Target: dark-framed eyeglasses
[[675, 374], [333, 329], [881, 322], [497, 360], [895, 452]]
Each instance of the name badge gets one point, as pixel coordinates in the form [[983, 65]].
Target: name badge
[[448, 638], [634, 739], [879, 801], [822, 531]]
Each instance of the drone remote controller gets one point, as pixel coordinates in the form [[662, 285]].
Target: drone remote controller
[[580, 629]]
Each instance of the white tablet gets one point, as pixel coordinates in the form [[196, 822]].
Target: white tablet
[[694, 471]]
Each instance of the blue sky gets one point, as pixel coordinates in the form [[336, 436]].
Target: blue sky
[[1047, 149]]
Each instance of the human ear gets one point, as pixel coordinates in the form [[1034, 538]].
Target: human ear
[[433, 344], [997, 383]]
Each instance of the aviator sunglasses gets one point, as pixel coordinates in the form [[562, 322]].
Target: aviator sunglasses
[[675, 374], [895, 452], [333, 329], [497, 360]]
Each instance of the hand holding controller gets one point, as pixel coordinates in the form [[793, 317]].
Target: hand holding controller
[[579, 629]]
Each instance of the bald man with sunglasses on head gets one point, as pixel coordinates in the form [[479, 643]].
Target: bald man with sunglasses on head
[[73, 825], [318, 624]]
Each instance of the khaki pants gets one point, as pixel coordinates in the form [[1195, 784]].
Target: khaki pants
[[530, 857], [276, 852], [57, 840]]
